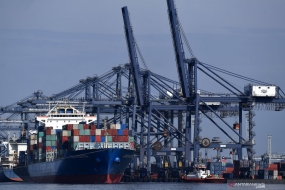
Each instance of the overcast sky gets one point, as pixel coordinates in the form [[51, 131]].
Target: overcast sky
[[50, 45]]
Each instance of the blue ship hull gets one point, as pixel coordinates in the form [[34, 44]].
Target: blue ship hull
[[83, 166]]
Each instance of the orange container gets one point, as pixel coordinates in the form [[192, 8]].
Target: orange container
[[98, 138], [64, 138], [75, 132]]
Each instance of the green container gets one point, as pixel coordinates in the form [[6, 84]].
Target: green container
[[53, 143], [69, 133], [53, 138], [48, 138], [86, 131], [48, 143], [109, 138], [81, 132], [80, 126], [41, 134], [131, 139]]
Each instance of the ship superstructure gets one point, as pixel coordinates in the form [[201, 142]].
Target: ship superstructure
[[63, 114]]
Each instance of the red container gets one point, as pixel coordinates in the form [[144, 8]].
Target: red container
[[115, 138], [125, 132], [93, 132], [272, 167], [40, 145], [122, 138], [64, 138], [102, 132], [112, 132], [86, 126], [98, 138], [48, 148], [75, 132], [229, 170], [82, 139], [93, 127], [48, 131], [87, 138], [69, 127], [125, 138], [31, 147]]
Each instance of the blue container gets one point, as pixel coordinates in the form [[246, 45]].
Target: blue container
[[120, 132], [53, 147], [229, 165], [57, 131], [92, 138], [103, 139], [123, 126]]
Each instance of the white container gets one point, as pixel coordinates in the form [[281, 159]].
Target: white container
[[121, 145], [53, 132], [75, 138], [33, 137], [98, 132], [112, 126], [32, 142], [65, 133], [87, 145], [118, 126], [126, 145], [115, 145], [110, 145], [40, 139], [80, 145], [92, 145], [75, 126]]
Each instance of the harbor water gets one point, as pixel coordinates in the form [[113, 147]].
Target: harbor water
[[130, 186]]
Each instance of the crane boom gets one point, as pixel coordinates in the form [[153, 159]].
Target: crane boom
[[178, 48], [132, 55]]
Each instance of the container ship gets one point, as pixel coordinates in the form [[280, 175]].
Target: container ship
[[69, 148]]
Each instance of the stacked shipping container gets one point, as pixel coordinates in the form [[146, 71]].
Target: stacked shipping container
[[51, 143]]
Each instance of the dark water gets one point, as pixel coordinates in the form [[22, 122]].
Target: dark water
[[129, 186]]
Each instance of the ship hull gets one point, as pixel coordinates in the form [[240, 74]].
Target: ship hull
[[83, 166], [8, 175], [22, 172]]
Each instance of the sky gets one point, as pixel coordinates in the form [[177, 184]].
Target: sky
[[51, 45]]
